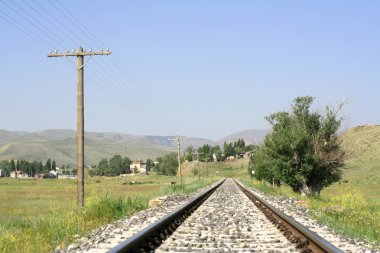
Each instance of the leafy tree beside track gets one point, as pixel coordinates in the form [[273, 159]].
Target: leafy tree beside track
[[167, 165], [303, 149]]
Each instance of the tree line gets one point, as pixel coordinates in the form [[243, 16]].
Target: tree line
[[211, 153], [28, 167], [168, 164], [115, 166]]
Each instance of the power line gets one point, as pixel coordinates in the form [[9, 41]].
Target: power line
[[77, 23], [48, 21], [88, 33], [59, 36], [23, 29], [121, 97], [139, 88], [138, 99], [32, 24]]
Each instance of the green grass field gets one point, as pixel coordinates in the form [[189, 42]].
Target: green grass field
[[45, 210], [361, 177]]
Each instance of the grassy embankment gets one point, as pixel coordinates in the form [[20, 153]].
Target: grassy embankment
[[351, 206], [39, 215]]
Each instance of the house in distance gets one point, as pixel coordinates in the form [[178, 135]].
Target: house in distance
[[138, 167]]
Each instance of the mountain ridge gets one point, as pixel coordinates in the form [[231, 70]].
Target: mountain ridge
[[60, 145]]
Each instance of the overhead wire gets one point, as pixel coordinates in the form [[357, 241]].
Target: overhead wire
[[75, 23], [74, 20], [140, 92], [31, 23], [22, 29], [118, 88], [113, 91], [48, 21], [126, 91]]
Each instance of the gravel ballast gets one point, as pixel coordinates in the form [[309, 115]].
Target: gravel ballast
[[226, 222]]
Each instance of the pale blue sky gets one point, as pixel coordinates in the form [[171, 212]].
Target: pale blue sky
[[194, 68]]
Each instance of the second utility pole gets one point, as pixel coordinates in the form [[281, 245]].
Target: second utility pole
[[80, 114], [178, 139]]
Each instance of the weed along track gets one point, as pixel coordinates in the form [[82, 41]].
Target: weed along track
[[226, 218]]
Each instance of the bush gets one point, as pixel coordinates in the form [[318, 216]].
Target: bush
[[303, 150]]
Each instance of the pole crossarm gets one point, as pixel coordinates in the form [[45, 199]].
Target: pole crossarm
[[79, 54]]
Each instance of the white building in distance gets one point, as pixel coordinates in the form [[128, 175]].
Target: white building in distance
[[138, 167]]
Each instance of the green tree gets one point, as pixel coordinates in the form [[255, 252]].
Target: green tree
[[303, 150], [47, 166], [239, 147], [251, 148], [228, 150], [102, 167], [5, 165], [206, 152], [53, 165], [115, 164], [217, 151], [189, 153], [149, 164], [40, 167], [12, 165], [125, 166], [36, 167], [167, 165]]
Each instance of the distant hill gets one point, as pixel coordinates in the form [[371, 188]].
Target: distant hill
[[61, 145], [362, 143], [252, 136]]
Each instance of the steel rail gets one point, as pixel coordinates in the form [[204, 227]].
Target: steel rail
[[305, 239], [152, 236]]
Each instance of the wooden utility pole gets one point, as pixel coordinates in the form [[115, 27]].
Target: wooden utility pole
[[80, 54], [179, 139]]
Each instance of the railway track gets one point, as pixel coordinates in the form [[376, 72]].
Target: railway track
[[227, 218]]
